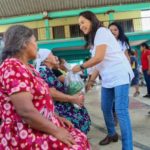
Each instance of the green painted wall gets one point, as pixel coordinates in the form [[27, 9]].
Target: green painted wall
[[45, 32]]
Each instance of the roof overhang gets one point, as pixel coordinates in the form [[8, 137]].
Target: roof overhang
[[10, 8]]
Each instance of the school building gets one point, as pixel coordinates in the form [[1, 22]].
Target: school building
[[55, 22]]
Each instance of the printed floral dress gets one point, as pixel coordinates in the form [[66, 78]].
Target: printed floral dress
[[15, 134], [79, 117]]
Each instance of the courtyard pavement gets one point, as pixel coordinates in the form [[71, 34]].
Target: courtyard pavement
[[139, 108]]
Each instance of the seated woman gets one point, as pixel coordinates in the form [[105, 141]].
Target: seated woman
[[26, 107], [63, 66], [63, 102], [57, 72]]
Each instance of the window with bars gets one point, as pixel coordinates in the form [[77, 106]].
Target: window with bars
[[58, 32], [127, 25], [75, 31], [1, 34], [35, 31]]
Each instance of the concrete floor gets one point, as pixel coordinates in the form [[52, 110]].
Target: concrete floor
[[139, 108]]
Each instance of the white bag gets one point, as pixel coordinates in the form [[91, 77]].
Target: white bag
[[74, 83]]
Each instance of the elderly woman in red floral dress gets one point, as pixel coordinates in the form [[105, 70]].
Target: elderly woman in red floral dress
[[26, 107]]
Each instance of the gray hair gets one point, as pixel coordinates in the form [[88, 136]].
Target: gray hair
[[15, 38]]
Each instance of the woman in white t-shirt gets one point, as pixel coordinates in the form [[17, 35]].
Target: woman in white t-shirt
[[122, 39], [123, 42], [116, 73]]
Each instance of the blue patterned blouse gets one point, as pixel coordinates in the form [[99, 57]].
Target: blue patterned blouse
[[79, 117]]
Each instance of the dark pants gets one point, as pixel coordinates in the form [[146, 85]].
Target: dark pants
[[147, 80]]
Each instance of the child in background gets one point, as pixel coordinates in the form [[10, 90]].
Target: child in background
[[135, 80]]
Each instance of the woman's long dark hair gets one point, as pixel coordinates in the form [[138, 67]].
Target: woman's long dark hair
[[15, 39], [89, 38], [122, 37]]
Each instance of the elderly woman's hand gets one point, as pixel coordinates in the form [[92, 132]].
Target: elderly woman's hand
[[76, 69], [63, 135], [64, 122], [78, 99]]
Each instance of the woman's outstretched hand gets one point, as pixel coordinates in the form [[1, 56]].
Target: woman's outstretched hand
[[89, 85], [76, 69]]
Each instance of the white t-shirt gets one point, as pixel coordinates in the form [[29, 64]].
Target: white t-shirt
[[115, 69], [123, 46], [90, 70]]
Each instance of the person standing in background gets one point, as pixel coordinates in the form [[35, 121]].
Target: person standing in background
[[145, 61], [123, 42], [121, 38], [135, 80]]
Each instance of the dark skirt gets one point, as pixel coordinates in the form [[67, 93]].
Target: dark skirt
[[78, 116], [135, 80]]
